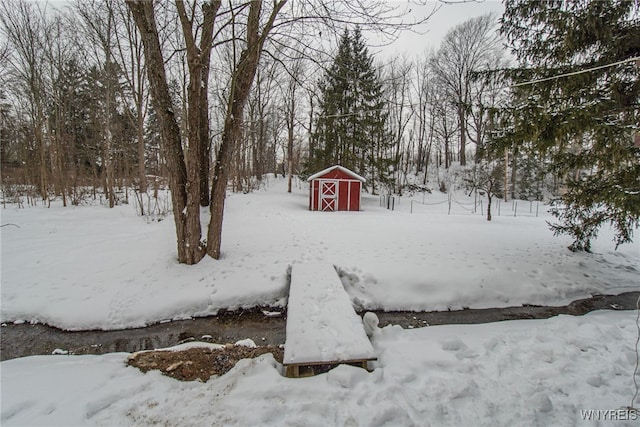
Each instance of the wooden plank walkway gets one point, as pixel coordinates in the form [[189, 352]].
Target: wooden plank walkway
[[322, 326]]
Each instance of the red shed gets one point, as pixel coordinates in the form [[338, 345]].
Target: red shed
[[335, 189]]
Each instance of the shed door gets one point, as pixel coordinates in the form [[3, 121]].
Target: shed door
[[328, 195]]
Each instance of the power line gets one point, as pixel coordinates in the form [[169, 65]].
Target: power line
[[575, 73], [530, 82]]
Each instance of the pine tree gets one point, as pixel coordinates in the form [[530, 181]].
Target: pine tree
[[351, 128], [585, 122]]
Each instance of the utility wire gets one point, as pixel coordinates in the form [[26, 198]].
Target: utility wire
[[575, 73], [530, 82]]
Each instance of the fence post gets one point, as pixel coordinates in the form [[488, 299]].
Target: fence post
[[411, 206], [515, 210], [499, 203], [537, 207], [475, 201]]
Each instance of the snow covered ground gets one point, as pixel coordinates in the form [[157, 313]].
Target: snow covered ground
[[91, 267], [556, 372]]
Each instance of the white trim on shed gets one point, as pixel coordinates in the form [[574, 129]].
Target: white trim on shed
[[343, 169]]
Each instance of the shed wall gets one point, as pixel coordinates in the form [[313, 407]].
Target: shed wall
[[348, 190]]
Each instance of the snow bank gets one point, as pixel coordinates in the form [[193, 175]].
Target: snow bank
[[525, 373]]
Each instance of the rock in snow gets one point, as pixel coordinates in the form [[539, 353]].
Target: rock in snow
[[247, 342]]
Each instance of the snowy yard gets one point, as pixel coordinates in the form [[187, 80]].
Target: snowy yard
[[92, 267], [95, 268]]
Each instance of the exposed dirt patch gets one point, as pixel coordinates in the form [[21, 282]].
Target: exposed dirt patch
[[198, 363]]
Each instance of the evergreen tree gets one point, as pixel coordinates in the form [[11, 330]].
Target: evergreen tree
[[585, 122], [351, 129]]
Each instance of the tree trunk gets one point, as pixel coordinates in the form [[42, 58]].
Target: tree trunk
[[446, 152], [108, 160], [290, 123], [514, 170], [170, 139], [463, 135], [210, 11], [204, 147], [230, 136], [311, 144], [197, 122], [142, 176], [242, 79], [506, 173], [198, 60], [43, 155], [193, 227]]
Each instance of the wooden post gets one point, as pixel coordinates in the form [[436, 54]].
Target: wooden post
[[292, 371], [506, 173]]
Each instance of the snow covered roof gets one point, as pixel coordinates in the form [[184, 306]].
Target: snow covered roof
[[340, 168]]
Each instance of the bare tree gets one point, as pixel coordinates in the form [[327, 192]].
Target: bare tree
[[291, 106], [424, 123], [264, 98], [23, 26], [143, 14], [445, 126], [398, 94], [247, 27], [198, 60], [99, 23], [487, 177], [241, 81], [58, 52], [466, 49], [130, 57]]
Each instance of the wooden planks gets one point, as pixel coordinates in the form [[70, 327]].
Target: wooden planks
[[311, 369], [322, 326]]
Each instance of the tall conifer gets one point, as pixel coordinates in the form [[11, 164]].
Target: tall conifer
[[586, 121], [351, 129]]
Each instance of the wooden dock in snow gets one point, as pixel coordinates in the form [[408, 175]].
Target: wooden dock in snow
[[322, 326]]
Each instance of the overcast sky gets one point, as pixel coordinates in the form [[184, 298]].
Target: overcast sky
[[433, 31], [428, 35]]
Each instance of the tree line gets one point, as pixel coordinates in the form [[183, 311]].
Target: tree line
[[209, 96]]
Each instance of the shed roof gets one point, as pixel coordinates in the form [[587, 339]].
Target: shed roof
[[341, 168]]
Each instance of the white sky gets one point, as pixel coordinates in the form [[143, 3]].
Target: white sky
[[433, 31], [425, 36]]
